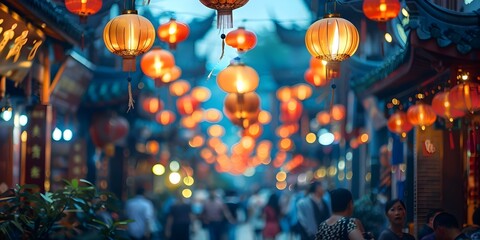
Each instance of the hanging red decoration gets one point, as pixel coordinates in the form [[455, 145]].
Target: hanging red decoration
[[290, 111], [465, 97], [421, 115], [398, 123], [156, 62], [186, 105], [443, 107], [381, 10], [173, 32], [83, 8], [241, 39], [224, 10], [242, 109]]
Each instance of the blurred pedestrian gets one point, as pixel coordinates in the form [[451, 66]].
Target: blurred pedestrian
[[213, 216], [473, 231], [255, 207], [427, 228], [446, 227], [141, 211], [271, 216], [179, 220], [312, 210], [396, 213], [340, 226]]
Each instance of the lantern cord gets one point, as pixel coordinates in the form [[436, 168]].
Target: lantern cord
[[221, 56], [333, 96], [130, 96]]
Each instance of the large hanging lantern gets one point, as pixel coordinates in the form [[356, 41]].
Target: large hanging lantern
[[241, 39], [242, 109], [224, 10], [443, 107], [128, 36], [238, 78], [398, 123], [381, 10], [332, 38], [465, 97], [83, 8], [156, 62], [173, 32], [421, 115]]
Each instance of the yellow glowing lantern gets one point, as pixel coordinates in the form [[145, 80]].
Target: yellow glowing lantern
[[202, 94], [173, 32], [179, 88], [284, 94], [332, 38], [264, 117], [216, 131], [302, 91], [421, 115], [238, 78], [242, 109]]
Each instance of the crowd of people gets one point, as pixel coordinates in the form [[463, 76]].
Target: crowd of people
[[311, 214]]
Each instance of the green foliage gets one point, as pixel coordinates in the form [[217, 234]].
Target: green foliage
[[370, 212], [67, 213]]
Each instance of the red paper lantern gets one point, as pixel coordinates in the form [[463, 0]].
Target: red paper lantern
[[156, 62], [381, 10], [291, 111], [421, 115], [238, 78], [173, 32], [224, 10], [106, 130], [241, 39], [443, 107], [186, 105], [465, 97], [398, 123], [83, 8]]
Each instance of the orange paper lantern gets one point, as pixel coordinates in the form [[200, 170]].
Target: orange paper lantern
[[224, 10], [83, 8], [316, 78], [152, 105], [381, 10], [186, 105], [241, 39], [443, 107], [421, 115], [179, 88], [238, 78], [242, 109], [165, 117], [398, 123], [173, 32], [290, 111], [170, 75], [156, 62], [465, 97]]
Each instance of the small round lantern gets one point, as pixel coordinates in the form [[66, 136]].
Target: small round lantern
[[284, 94], [381, 10], [241, 39], [302, 91], [128, 36], [316, 78], [186, 105], [179, 88], [224, 10], [421, 115], [83, 8], [238, 78], [173, 32], [338, 112], [443, 107], [202, 94], [332, 39], [152, 105], [242, 109], [398, 123], [290, 111], [465, 97], [170, 75], [156, 62], [165, 117]]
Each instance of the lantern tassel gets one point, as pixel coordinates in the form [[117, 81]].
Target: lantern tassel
[[221, 56], [130, 96]]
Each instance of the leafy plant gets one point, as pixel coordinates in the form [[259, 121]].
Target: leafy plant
[[73, 211]]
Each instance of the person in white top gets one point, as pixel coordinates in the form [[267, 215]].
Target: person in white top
[[141, 211]]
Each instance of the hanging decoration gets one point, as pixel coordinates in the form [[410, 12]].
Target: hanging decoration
[[241, 39], [398, 123], [128, 36], [83, 8], [332, 38], [224, 10], [186, 105], [165, 117], [238, 78], [381, 10], [291, 111], [152, 105], [156, 62], [242, 109], [465, 96], [421, 115], [443, 107], [173, 32]]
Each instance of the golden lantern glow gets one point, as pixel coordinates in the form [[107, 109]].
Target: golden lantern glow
[[152, 147], [247, 143], [284, 94], [465, 97], [156, 62], [325, 69], [214, 141], [241, 39], [337, 112], [169, 76], [197, 115], [188, 123], [216, 131], [224, 10], [238, 78], [173, 32], [242, 109], [83, 8], [165, 117], [254, 130], [421, 115], [323, 118], [128, 36], [332, 39], [443, 107], [398, 123], [213, 115], [264, 117], [381, 10], [302, 91], [290, 111], [179, 88], [196, 141], [152, 105], [316, 78], [285, 144], [202, 94], [186, 105]]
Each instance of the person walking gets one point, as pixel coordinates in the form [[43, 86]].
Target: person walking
[[312, 210], [271, 216], [179, 220], [396, 213], [141, 211], [340, 226]]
